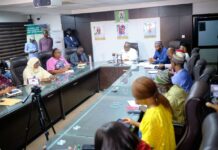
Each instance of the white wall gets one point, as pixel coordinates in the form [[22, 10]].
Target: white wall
[[55, 27], [12, 17], [103, 49], [205, 7]]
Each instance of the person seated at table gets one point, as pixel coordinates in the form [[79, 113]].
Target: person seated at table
[[6, 85], [57, 64], [170, 52], [34, 70], [181, 76], [78, 57], [128, 53], [213, 106], [156, 126], [4, 69], [174, 94], [116, 136], [183, 50], [160, 56]]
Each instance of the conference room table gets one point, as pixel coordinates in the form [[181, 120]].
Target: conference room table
[[110, 106], [64, 95]]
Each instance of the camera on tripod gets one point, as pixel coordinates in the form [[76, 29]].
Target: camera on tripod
[[36, 89]]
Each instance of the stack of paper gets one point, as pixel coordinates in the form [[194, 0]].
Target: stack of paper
[[147, 65], [9, 101]]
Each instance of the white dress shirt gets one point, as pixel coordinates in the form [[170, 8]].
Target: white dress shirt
[[129, 55]]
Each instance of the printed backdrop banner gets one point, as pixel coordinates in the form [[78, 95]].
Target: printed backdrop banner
[[35, 31]]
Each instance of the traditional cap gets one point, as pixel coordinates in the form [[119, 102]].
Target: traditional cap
[[162, 77], [178, 58]]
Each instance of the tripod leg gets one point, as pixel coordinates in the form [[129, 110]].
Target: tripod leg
[[28, 125], [41, 116], [48, 117]]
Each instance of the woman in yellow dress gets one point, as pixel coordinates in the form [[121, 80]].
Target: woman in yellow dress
[[156, 126]]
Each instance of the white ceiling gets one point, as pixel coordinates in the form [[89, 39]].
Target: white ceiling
[[85, 6]]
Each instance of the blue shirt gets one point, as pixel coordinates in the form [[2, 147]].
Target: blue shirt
[[31, 49], [161, 56], [182, 79]]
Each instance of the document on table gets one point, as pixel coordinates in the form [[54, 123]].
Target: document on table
[[133, 104], [9, 101], [152, 71], [69, 71], [147, 65]]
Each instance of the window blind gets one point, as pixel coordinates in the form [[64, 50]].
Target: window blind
[[12, 40]]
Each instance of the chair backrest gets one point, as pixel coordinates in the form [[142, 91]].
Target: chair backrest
[[191, 63], [134, 46], [195, 50], [208, 73], [68, 52], [17, 66], [199, 68], [175, 44], [194, 106], [43, 57], [210, 132]]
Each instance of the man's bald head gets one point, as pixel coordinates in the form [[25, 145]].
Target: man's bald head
[[126, 46]]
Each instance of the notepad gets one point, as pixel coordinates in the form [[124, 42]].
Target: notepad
[[153, 71], [9, 101], [81, 66], [69, 71], [133, 104]]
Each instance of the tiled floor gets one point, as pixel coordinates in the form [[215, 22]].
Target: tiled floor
[[38, 143]]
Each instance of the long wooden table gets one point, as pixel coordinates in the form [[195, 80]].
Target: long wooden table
[[60, 97]]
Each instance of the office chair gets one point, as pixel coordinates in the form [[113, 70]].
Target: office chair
[[191, 63], [43, 57], [194, 114], [195, 50], [134, 46], [17, 66], [199, 68], [208, 74], [175, 44], [210, 132]]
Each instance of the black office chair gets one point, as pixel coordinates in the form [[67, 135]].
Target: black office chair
[[17, 66], [210, 132], [175, 44], [194, 114], [199, 68], [43, 57], [68, 52], [134, 46], [195, 50], [191, 63], [208, 74]]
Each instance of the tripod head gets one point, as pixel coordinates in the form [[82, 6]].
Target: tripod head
[[36, 90]]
